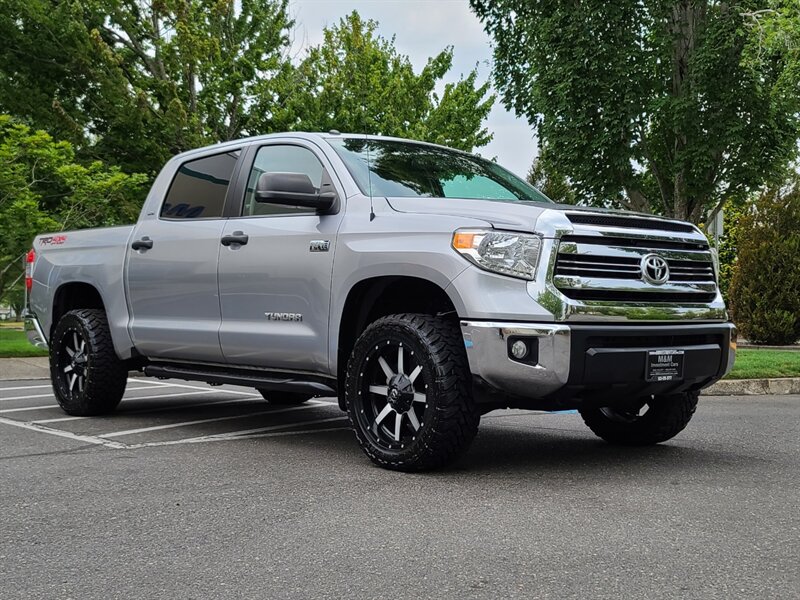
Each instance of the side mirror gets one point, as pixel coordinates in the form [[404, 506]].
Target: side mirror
[[293, 189]]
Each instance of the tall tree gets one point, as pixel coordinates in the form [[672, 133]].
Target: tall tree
[[355, 80], [666, 106], [42, 188], [134, 81]]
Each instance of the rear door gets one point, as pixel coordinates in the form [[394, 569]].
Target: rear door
[[275, 289], [172, 266]]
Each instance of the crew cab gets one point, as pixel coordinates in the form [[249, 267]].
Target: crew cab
[[422, 286]]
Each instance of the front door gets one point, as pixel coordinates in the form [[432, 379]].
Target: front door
[[275, 289], [172, 282]]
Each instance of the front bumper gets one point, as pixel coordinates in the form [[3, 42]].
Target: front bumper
[[34, 331], [569, 365]]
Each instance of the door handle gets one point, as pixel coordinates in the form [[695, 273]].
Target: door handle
[[238, 237], [143, 244]]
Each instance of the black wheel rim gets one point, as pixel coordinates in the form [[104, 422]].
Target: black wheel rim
[[392, 399], [72, 363]]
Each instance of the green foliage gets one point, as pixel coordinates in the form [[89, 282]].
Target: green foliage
[[727, 249], [356, 81], [550, 182], [765, 291], [134, 82], [665, 106], [42, 188]]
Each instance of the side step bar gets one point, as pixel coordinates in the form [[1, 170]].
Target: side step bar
[[243, 377]]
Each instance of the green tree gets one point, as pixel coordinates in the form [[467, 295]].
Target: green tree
[[665, 106], [42, 188], [356, 81], [765, 290], [133, 81], [550, 182]]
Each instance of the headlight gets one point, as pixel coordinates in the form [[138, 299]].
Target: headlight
[[504, 252]]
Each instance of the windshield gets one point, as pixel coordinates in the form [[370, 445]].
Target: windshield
[[405, 169]]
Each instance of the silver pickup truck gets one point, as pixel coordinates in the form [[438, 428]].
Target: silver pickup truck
[[421, 285]]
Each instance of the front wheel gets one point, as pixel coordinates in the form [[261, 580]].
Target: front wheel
[[88, 378], [408, 392], [651, 421]]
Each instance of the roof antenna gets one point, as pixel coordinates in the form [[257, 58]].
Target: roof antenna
[[369, 180]]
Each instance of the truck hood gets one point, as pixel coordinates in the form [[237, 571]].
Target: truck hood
[[503, 215], [519, 216]]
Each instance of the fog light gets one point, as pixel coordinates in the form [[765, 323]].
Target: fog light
[[519, 349]]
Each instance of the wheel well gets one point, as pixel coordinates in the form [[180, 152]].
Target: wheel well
[[378, 297], [74, 295]]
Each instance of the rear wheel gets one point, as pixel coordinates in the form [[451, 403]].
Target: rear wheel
[[88, 378], [408, 392], [652, 420], [283, 397]]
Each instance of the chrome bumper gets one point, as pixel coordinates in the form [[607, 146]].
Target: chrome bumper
[[487, 350], [34, 331]]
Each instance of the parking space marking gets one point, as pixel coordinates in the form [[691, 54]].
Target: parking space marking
[[237, 435], [26, 397], [200, 421], [24, 387], [24, 408], [123, 413], [89, 439]]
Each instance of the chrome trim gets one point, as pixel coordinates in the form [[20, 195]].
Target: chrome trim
[[619, 251], [485, 342], [603, 284], [34, 331], [543, 290]]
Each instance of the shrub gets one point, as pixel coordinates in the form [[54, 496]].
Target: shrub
[[765, 290]]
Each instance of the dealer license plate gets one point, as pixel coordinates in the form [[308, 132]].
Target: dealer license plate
[[664, 365]]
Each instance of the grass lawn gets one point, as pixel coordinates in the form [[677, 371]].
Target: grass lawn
[[14, 343], [751, 363]]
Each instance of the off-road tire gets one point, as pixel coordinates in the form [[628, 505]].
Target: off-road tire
[[665, 418], [104, 374], [287, 398], [449, 418]]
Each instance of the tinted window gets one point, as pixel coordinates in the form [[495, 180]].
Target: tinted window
[[406, 169], [199, 188], [281, 159]]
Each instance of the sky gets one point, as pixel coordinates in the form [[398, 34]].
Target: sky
[[423, 28]]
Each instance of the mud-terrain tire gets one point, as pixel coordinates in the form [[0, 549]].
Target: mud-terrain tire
[[87, 376], [411, 367], [666, 417], [287, 398]]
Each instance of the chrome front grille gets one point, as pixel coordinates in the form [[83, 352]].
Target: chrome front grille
[[608, 268]]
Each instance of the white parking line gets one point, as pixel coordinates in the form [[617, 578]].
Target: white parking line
[[23, 387], [26, 397], [200, 421], [236, 435], [136, 389], [124, 413], [89, 439], [24, 408]]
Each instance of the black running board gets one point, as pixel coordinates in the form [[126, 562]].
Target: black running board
[[243, 377]]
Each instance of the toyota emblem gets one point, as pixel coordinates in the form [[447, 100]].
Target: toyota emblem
[[654, 269]]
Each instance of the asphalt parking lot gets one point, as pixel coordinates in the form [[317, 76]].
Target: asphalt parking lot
[[191, 491]]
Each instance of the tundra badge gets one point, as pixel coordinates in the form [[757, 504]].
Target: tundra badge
[[280, 316]]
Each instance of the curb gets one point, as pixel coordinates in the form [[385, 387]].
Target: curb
[[754, 387]]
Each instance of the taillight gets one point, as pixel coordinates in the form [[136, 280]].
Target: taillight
[[30, 258]]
